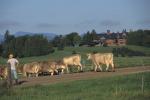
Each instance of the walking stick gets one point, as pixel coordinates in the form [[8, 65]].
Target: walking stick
[[9, 78]]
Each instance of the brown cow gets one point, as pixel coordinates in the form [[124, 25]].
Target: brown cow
[[19, 69], [41, 66], [3, 72], [31, 68], [48, 66], [102, 58], [60, 66], [74, 60]]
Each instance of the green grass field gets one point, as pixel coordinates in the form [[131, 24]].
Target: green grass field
[[118, 61], [113, 88]]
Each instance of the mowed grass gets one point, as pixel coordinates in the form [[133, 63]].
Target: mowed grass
[[146, 50], [113, 88], [118, 61]]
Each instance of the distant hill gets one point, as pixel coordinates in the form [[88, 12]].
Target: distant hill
[[49, 36]]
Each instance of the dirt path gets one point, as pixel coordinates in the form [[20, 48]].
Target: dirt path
[[43, 80]]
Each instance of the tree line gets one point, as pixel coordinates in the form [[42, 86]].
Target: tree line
[[139, 37], [24, 46], [36, 45], [73, 39]]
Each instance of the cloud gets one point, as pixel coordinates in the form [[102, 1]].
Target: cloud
[[98, 23], [109, 23], [47, 25], [9, 24], [144, 22], [87, 23]]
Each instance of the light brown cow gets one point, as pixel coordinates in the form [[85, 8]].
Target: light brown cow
[[41, 66], [31, 68], [19, 69], [3, 72], [102, 58], [48, 66], [74, 60], [60, 66]]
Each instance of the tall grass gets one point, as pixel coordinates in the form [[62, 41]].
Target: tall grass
[[113, 88]]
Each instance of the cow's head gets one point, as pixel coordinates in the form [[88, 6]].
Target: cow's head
[[61, 66], [89, 56]]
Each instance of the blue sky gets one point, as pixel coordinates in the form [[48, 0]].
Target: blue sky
[[66, 16]]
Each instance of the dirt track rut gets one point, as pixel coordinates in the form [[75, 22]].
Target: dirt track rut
[[43, 80]]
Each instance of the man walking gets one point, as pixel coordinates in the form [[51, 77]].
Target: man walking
[[13, 63]]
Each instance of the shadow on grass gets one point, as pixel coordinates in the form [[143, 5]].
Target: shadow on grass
[[21, 82]]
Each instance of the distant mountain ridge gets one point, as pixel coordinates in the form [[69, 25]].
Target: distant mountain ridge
[[49, 36]]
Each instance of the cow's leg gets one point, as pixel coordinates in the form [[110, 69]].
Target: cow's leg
[[67, 69], [62, 71], [81, 67], [78, 68], [29, 75], [107, 67], [36, 74], [95, 68], [56, 71], [100, 67], [113, 68], [52, 73], [24, 74]]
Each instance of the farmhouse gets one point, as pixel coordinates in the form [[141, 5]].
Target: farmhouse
[[112, 39]]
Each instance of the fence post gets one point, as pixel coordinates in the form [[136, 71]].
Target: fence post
[[142, 84], [9, 78], [116, 91]]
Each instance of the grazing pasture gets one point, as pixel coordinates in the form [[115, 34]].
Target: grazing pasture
[[124, 87], [119, 62], [127, 87]]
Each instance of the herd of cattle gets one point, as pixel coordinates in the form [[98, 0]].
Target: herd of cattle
[[35, 68]]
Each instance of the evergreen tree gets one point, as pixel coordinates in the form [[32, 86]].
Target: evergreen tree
[[139, 37], [7, 45], [72, 39], [94, 35], [87, 37], [24, 46]]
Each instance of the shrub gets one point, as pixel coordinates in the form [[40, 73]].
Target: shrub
[[123, 51]]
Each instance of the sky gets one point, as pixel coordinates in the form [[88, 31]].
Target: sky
[[66, 16]]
